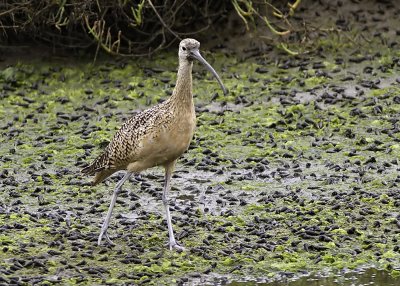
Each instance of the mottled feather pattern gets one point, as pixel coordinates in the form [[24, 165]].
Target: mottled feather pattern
[[121, 149], [155, 137]]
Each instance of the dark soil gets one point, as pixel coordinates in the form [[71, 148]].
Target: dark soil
[[294, 172]]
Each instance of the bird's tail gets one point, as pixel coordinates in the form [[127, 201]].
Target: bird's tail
[[92, 168], [88, 170], [100, 163], [99, 168]]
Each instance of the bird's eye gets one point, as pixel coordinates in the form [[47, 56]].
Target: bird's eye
[[184, 48]]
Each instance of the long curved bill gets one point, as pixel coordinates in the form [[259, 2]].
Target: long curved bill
[[196, 54]]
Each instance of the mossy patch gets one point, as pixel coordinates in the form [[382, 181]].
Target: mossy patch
[[295, 170]]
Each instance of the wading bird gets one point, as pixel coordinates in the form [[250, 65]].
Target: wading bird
[[154, 137]]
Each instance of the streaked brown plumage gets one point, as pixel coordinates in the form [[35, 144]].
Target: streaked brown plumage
[[154, 137], [149, 126]]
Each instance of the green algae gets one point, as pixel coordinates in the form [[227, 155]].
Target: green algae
[[264, 129]]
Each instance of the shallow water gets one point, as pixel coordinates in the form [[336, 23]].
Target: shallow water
[[362, 278], [294, 172]]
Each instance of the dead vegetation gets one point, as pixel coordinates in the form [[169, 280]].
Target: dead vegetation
[[133, 28]]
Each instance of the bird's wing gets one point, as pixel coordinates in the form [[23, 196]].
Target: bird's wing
[[126, 142]]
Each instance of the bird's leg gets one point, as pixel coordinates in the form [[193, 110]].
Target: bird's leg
[[106, 222], [168, 172]]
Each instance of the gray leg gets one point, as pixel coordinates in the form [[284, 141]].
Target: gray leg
[[106, 222], [168, 172]]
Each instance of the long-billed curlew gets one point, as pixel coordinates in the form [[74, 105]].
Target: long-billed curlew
[[154, 137]]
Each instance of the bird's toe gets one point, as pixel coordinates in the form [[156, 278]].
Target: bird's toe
[[176, 246], [105, 234]]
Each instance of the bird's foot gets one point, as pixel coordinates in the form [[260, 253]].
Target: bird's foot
[[173, 245], [105, 234]]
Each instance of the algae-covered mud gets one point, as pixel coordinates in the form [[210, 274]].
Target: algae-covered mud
[[295, 172]]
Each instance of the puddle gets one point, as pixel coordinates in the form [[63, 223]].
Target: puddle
[[363, 278]]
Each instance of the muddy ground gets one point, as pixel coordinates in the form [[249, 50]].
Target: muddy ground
[[295, 171]]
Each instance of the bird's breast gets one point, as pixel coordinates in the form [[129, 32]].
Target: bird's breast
[[166, 144], [178, 135]]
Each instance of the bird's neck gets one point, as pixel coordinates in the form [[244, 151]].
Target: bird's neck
[[182, 94]]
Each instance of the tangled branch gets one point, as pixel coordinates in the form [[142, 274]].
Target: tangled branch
[[128, 27]]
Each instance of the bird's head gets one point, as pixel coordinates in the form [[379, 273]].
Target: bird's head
[[189, 50]]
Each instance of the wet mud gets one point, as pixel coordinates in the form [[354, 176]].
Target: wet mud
[[295, 172]]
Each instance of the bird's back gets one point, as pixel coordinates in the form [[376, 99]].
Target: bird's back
[[149, 138]]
